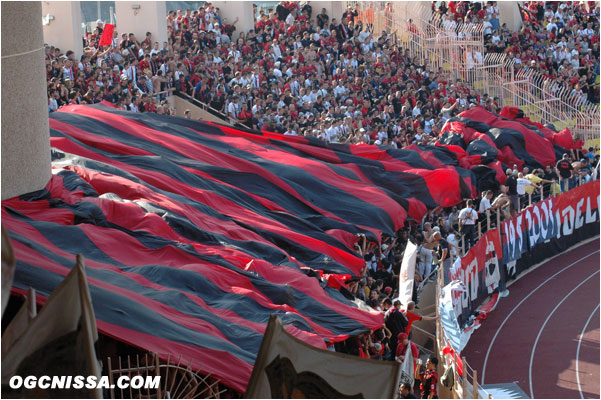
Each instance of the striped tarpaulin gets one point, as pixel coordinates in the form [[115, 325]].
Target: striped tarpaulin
[[194, 234]]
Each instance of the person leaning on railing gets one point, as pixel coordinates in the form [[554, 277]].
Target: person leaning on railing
[[537, 180]]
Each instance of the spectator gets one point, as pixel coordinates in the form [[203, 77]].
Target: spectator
[[401, 351], [406, 391], [429, 379], [551, 175], [467, 221], [485, 202], [511, 182], [396, 322], [564, 168], [521, 184], [413, 316], [536, 180]]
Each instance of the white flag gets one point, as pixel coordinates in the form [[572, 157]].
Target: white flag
[[407, 274], [407, 368]]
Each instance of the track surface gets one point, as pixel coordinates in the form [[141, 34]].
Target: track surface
[[545, 334]]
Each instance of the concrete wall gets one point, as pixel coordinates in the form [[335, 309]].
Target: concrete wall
[[510, 14], [25, 133], [65, 30], [198, 113], [230, 10], [149, 17]]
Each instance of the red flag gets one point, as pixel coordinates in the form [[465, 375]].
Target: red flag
[[107, 35]]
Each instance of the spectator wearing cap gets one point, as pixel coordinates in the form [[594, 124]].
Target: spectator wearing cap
[[403, 345], [396, 322]]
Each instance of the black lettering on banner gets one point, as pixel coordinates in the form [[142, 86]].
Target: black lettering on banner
[[491, 268]]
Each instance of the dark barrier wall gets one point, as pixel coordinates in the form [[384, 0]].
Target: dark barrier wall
[[539, 232]]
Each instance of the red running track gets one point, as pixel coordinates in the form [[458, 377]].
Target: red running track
[[545, 334]]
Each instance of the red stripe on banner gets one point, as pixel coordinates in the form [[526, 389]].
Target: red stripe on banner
[[587, 192], [232, 371], [427, 156], [373, 152], [136, 254], [97, 141], [226, 206], [225, 279], [40, 211], [211, 156], [365, 191]]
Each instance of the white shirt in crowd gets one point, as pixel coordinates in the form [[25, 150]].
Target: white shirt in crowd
[[454, 241], [232, 109], [484, 205], [468, 215], [522, 185]]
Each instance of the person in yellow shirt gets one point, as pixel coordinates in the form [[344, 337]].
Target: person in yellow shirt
[[535, 178]]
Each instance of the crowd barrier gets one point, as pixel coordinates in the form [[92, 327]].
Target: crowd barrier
[[540, 231]]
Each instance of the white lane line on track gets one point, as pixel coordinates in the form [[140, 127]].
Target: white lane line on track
[[519, 304], [578, 350], [540, 332]]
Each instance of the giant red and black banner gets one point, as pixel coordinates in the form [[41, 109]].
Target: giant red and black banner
[[194, 234]]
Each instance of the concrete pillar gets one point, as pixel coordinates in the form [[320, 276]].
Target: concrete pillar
[[230, 10], [64, 31], [25, 133], [510, 15], [139, 17]]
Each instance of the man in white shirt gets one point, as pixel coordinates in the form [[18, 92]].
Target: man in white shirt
[[331, 132], [276, 49], [232, 108], [485, 202], [276, 70], [523, 183], [339, 90], [416, 110], [467, 221], [551, 25]]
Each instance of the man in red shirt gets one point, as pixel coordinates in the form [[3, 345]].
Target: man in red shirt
[[412, 316]]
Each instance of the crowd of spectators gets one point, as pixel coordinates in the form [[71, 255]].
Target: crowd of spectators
[[303, 72], [558, 39], [296, 73]]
